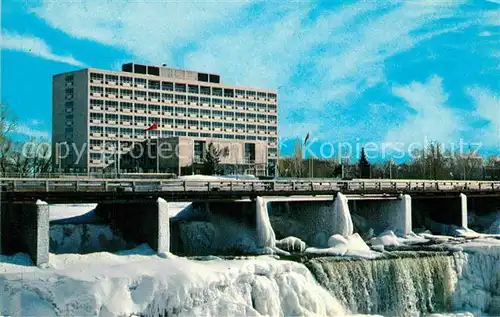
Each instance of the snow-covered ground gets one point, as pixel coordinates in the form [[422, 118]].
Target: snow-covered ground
[[139, 282]]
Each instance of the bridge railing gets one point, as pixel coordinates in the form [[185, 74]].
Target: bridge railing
[[177, 185]]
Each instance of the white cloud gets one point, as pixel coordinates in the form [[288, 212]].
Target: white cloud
[[30, 132], [431, 119], [487, 108], [336, 55], [34, 46], [149, 30]]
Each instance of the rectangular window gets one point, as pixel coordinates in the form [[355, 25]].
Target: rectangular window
[[193, 89], [154, 96], [126, 81], [140, 82], [180, 98], [154, 84], [168, 121], [96, 76], [111, 79], [167, 86], [205, 90], [168, 110], [141, 106], [167, 97], [217, 91], [93, 89], [180, 87]]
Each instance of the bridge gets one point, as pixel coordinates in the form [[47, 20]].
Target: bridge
[[94, 190], [138, 208]]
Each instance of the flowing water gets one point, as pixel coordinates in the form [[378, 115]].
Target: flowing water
[[395, 287]]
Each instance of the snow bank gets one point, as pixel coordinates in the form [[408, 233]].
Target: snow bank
[[66, 211], [147, 285], [217, 178]]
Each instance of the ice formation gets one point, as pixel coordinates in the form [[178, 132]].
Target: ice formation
[[138, 282], [343, 222], [84, 238], [265, 233]]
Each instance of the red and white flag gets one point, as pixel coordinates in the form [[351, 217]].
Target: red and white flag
[[154, 126]]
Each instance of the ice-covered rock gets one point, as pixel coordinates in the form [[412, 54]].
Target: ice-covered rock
[[387, 238], [291, 244]]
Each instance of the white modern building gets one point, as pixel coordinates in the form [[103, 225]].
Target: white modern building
[[99, 112]]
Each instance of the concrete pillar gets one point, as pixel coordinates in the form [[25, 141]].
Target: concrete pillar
[[405, 205], [140, 222], [463, 210], [25, 228]]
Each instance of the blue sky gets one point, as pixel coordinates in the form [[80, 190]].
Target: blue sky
[[387, 72]]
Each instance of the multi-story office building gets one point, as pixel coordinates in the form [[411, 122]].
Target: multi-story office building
[[96, 112]]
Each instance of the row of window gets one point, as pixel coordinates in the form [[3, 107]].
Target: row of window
[[165, 98], [125, 133], [178, 87], [110, 105], [182, 125], [114, 118]]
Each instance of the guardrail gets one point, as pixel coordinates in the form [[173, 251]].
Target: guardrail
[[142, 185]]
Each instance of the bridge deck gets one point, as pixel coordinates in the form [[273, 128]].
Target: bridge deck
[[93, 190]]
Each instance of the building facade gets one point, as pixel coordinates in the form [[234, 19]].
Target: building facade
[[99, 116]]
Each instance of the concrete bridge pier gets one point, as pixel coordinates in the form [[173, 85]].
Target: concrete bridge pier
[[374, 215], [139, 221], [24, 227], [440, 214]]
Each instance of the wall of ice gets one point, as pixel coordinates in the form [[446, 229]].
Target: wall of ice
[[314, 222], [85, 238], [373, 217], [478, 271], [215, 228]]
